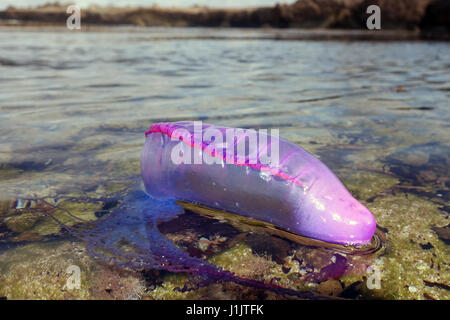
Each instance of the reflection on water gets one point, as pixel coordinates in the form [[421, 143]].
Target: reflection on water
[[74, 108]]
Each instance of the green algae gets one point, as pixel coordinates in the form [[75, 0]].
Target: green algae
[[238, 259], [41, 271], [235, 259], [407, 270], [81, 210], [23, 222], [112, 283], [167, 289], [241, 260], [364, 184]]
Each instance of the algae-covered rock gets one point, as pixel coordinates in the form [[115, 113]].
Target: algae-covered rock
[[330, 287], [414, 257], [364, 184], [51, 271], [113, 283], [240, 260], [422, 163], [40, 271], [23, 222], [121, 159], [167, 289], [34, 217], [83, 210]]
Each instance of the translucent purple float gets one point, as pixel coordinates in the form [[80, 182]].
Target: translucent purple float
[[298, 193]]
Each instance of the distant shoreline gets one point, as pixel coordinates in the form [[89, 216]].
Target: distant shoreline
[[245, 34], [414, 19]]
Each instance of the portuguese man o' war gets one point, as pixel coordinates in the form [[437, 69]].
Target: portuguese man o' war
[[298, 193], [295, 194]]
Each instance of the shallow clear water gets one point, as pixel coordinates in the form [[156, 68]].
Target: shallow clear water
[[74, 106]]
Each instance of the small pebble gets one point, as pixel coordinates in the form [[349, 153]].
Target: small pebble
[[412, 289]]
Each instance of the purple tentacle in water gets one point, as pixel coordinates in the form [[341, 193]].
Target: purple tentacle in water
[[129, 237]]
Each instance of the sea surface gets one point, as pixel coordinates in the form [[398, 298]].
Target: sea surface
[[74, 107]]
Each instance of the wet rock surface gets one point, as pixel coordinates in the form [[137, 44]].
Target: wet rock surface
[[46, 271], [443, 233]]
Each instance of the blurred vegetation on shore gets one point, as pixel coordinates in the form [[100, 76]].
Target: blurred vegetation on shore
[[429, 17]]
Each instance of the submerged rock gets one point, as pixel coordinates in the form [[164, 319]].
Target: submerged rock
[[443, 233], [38, 271], [46, 271], [82, 210], [364, 184], [23, 222], [405, 263]]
